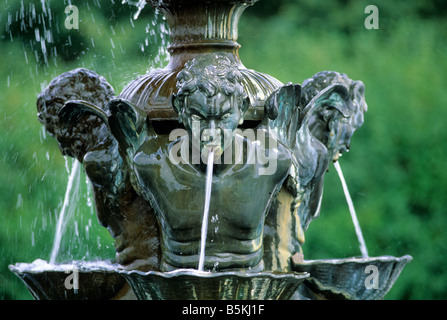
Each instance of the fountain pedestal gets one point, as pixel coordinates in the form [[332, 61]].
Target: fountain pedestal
[[187, 284], [197, 28]]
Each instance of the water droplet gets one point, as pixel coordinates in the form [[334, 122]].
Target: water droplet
[[19, 201]]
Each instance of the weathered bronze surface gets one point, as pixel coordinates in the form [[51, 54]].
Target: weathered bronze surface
[[188, 284], [119, 208], [145, 153], [75, 281], [210, 95], [344, 279]]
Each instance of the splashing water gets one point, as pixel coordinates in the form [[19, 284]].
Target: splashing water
[[70, 200], [209, 181], [140, 5], [358, 230]]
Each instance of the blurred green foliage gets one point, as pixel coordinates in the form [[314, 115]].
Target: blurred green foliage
[[395, 171]]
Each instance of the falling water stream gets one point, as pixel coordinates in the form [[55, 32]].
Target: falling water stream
[[358, 230], [71, 195], [209, 180]]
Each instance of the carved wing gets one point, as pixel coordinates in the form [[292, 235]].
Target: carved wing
[[128, 125], [107, 163], [316, 122], [283, 112], [79, 109], [129, 218], [77, 84], [334, 110], [74, 108]]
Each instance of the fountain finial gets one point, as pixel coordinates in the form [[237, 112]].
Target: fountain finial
[[195, 28]]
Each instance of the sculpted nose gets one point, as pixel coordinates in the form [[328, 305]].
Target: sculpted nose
[[211, 133], [212, 125]]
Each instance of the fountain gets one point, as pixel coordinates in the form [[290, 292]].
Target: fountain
[[206, 173]]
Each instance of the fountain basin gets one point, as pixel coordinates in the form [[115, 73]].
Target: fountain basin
[[351, 278], [78, 280], [190, 284]]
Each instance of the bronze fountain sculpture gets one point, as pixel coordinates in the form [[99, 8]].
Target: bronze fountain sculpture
[[207, 132]]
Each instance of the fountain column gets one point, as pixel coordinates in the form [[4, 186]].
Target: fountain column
[[196, 28]]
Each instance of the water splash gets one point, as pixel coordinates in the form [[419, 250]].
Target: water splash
[[358, 230], [157, 35], [70, 200], [209, 181], [139, 4]]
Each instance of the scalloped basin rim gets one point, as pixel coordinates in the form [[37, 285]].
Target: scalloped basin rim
[[191, 284], [40, 266], [336, 278], [205, 274], [359, 260]]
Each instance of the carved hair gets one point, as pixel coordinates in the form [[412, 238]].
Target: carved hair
[[211, 74], [312, 86], [77, 84]]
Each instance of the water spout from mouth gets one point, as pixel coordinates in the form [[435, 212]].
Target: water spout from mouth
[[70, 193], [209, 180], [358, 230]]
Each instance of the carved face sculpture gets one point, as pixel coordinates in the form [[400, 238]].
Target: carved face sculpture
[[211, 120], [344, 113], [211, 102]]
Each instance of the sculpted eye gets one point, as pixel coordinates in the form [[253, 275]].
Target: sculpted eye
[[195, 117], [226, 116]]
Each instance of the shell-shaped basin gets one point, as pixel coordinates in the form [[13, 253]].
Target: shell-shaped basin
[[190, 284], [77, 280], [351, 278]]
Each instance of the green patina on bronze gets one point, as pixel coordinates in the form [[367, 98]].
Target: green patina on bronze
[[145, 150]]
